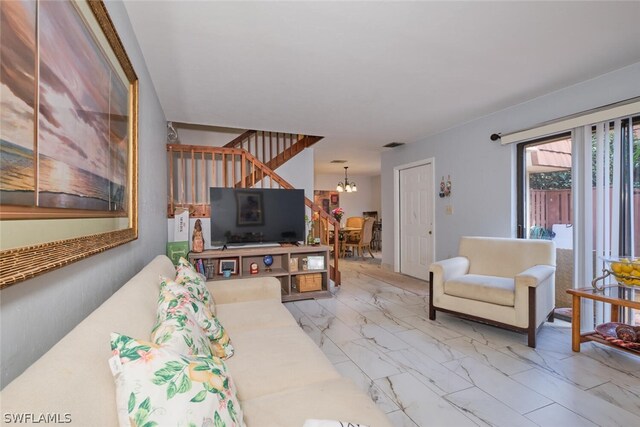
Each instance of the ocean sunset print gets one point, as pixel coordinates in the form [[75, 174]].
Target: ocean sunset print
[[82, 117], [17, 101]]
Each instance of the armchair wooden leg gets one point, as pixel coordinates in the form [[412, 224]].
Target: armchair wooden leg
[[531, 330], [531, 341], [432, 310]]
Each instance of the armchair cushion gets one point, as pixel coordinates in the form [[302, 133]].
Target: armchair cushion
[[492, 289]]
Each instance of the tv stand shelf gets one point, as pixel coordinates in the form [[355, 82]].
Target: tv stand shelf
[[287, 267]]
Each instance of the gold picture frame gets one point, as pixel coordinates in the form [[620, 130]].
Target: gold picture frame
[[39, 237]]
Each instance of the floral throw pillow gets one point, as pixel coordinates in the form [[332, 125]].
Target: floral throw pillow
[[187, 276], [174, 298], [182, 334], [156, 386]]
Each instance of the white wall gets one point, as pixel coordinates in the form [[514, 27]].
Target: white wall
[[214, 137], [298, 171], [483, 172], [367, 198], [37, 313]]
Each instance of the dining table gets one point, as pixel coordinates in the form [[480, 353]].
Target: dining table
[[347, 233]]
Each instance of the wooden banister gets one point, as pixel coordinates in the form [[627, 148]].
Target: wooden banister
[[239, 139]]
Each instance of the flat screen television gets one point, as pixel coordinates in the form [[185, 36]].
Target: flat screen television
[[251, 216]]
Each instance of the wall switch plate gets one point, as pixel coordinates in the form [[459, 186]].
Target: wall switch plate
[[448, 210]]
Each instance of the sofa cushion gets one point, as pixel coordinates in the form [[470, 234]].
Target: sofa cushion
[[337, 399], [157, 386], [492, 289], [251, 315], [272, 360]]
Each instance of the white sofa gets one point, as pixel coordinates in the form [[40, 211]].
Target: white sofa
[[505, 282], [282, 377]]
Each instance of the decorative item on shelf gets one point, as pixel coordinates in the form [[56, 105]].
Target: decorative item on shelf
[[310, 238], [197, 240], [305, 264], [337, 213], [253, 268], [228, 266], [175, 250], [293, 265], [268, 262], [309, 282], [445, 187], [620, 334], [315, 262], [625, 270], [349, 187]]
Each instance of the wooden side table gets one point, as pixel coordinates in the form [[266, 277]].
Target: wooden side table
[[617, 296]]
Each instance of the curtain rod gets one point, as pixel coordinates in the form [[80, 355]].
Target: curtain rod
[[619, 109]]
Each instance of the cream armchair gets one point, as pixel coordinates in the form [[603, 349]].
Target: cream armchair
[[508, 283]]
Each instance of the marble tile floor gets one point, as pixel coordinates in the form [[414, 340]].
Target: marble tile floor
[[453, 372]]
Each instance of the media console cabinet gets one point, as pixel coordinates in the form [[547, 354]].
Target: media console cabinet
[[289, 267]]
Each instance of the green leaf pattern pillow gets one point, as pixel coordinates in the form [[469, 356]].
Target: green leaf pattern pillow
[[156, 386], [182, 334], [174, 298], [187, 276]]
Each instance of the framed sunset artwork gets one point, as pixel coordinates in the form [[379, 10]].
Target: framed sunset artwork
[[68, 136]]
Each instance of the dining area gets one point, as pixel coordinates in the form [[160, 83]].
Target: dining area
[[359, 236]]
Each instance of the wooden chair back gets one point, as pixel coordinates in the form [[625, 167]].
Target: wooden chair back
[[367, 231], [355, 222]]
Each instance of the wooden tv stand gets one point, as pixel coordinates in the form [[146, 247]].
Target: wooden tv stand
[[292, 282]]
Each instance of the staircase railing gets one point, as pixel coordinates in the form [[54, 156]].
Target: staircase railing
[[193, 169], [272, 148]]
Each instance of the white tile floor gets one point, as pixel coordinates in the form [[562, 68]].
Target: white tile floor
[[452, 372]]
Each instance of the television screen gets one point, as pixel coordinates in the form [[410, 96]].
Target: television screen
[[249, 216]]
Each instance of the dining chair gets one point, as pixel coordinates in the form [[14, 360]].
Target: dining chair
[[364, 241], [355, 222]]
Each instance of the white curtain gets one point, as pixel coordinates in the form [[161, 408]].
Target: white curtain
[[598, 204]]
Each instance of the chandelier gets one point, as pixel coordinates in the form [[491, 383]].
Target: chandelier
[[346, 185]]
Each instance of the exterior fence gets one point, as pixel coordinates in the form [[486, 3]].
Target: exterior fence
[[549, 207]]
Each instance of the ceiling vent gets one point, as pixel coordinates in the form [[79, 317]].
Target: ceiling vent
[[338, 161], [393, 144]]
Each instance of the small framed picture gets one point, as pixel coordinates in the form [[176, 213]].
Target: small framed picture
[[315, 262], [228, 264]]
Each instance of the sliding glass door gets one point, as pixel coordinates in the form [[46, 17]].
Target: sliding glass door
[[545, 203], [581, 189]]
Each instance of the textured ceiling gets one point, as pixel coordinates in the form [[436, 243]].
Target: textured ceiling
[[364, 74]]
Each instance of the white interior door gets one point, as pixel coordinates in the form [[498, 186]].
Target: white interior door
[[416, 220]]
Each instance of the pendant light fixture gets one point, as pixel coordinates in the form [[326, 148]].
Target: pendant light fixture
[[349, 187]]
